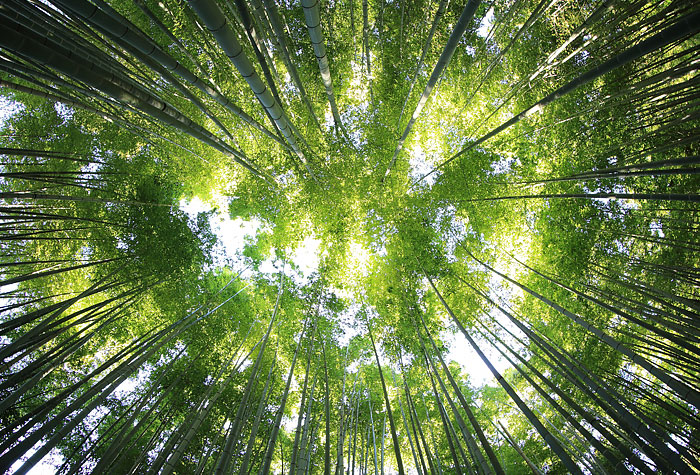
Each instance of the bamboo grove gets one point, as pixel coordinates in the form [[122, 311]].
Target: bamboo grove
[[511, 180]]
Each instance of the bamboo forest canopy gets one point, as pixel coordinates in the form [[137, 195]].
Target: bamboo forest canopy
[[468, 236]]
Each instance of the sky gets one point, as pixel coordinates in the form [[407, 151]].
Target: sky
[[7, 109], [486, 23]]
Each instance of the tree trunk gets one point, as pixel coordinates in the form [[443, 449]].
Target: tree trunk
[[394, 436], [313, 23], [280, 412]]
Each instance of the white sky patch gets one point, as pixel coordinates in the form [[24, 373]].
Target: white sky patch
[[288, 87], [126, 388], [353, 367], [230, 233], [8, 289], [8, 108], [624, 203], [64, 111], [46, 466], [462, 352], [92, 167], [656, 229], [504, 164], [290, 423], [428, 146], [268, 266], [307, 256], [420, 166], [130, 384], [486, 23]]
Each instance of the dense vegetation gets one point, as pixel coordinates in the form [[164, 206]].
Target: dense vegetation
[[516, 177]]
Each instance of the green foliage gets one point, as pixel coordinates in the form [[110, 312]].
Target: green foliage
[[568, 232]]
